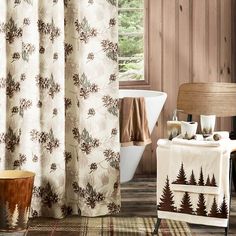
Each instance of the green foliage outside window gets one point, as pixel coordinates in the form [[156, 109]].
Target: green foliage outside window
[[130, 3], [131, 21], [131, 39]]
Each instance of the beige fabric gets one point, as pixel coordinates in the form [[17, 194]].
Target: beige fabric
[[133, 122], [59, 102], [192, 186]]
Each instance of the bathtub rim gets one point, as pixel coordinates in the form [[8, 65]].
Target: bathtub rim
[[145, 93]]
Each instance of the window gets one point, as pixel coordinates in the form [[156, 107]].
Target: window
[[131, 40]]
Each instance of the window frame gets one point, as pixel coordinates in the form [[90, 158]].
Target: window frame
[[142, 83]]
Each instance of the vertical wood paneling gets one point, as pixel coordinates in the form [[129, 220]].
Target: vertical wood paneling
[[225, 51], [184, 41], [233, 49], [233, 41], [199, 41], [213, 42], [189, 41], [184, 45], [156, 81], [170, 77], [148, 162], [225, 41]]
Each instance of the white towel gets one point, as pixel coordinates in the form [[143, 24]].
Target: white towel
[[194, 204], [196, 168]]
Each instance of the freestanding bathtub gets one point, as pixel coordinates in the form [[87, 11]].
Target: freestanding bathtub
[[130, 156]]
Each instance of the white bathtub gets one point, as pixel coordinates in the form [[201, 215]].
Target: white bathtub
[[130, 156]]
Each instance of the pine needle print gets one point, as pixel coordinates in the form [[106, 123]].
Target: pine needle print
[[112, 2], [84, 30]]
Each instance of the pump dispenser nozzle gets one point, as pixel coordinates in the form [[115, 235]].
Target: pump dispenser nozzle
[[175, 115]]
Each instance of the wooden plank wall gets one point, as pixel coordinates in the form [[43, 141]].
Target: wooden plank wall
[[189, 41]]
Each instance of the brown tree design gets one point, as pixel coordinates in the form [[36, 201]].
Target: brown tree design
[[24, 105], [22, 218], [49, 85], [49, 29], [86, 141], [20, 161], [4, 212], [84, 30], [27, 50], [201, 205], [11, 30], [66, 210], [201, 179], [181, 178], [223, 209], [111, 104], [192, 180], [86, 87], [68, 103], [113, 158], [214, 212], [113, 208], [68, 157], [213, 181], [186, 205], [47, 195], [11, 139], [167, 198], [111, 49], [68, 50], [47, 139], [12, 86], [208, 182], [91, 196]]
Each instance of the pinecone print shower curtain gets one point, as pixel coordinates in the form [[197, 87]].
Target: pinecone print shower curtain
[[59, 102]]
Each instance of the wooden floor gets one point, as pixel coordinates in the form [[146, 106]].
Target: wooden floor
[[139, 199]]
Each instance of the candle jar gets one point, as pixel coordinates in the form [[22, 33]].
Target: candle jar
[[207, 124], [188, 129], [173, 128]]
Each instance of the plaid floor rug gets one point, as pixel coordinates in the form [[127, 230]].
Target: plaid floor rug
[[105, 226]]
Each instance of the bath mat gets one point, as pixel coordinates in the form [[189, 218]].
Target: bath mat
[[105, 226]]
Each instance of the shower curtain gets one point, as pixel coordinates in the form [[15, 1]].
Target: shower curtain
[[59, 102]]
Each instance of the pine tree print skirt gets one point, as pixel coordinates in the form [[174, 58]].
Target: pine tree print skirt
[[193, 182]]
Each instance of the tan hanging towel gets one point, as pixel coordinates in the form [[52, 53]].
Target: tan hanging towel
[[133, 122]]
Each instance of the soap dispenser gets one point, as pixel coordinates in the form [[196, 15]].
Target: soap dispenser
[[173, 126]]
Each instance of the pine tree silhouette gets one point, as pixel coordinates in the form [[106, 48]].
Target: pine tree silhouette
[[223, 211], [9, 216], [181, 178], [192, 180], [201, 179], [21, 219], [208, 182], [214, 212], [166, 200], [15, 216], [201, 205], [213, 181], [3, 215], [186, 206]]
